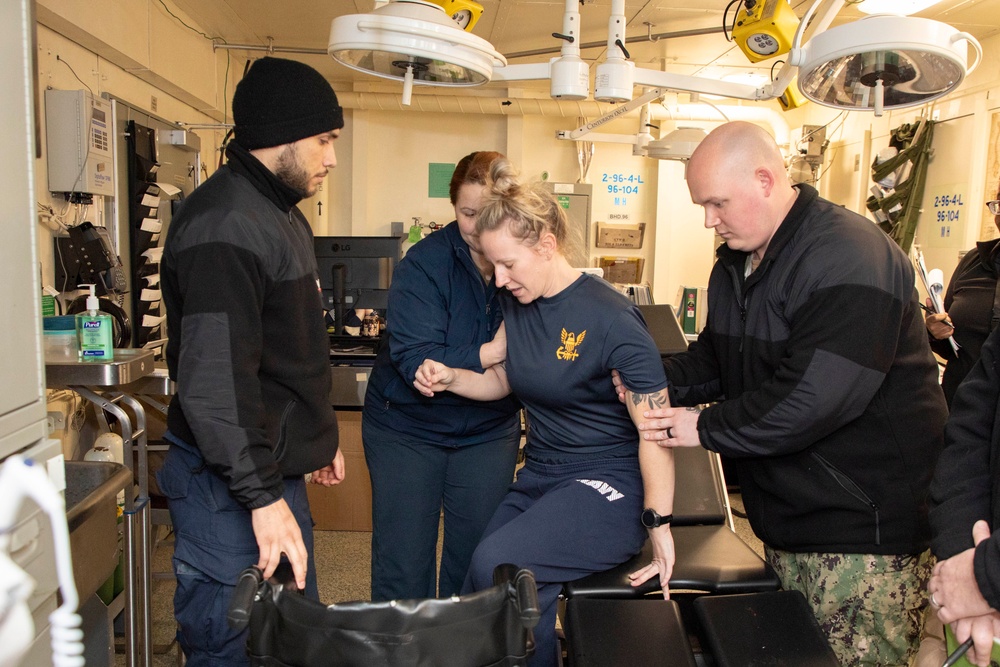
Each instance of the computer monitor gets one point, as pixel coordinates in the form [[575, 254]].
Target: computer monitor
[[665, 329], [356, 271]]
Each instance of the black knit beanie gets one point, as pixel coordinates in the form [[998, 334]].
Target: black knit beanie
[[280, 101]]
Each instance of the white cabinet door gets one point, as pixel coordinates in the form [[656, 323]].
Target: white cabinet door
[[22, 397]]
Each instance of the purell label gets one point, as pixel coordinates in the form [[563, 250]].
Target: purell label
[[92, 325], [93, 353]]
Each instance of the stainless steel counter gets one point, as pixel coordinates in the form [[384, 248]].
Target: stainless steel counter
[[101, 383], [128, 366]]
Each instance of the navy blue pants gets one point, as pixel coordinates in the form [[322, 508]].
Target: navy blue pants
[[562, 522], [214, 542], [412, 480]]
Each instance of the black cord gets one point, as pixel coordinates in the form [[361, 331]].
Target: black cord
[[725, 16], [222, 149], [225, 81], [77, 77]]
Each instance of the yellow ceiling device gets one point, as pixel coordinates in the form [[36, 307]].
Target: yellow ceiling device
[[464, 12], [765, 28], [792, 98]]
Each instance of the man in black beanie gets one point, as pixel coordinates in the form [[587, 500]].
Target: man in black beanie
[[249, 352]]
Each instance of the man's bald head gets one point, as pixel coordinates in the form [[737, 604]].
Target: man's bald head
[[740, 147], [738, 175]]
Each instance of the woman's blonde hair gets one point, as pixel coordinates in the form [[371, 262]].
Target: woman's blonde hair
[[528, 209]]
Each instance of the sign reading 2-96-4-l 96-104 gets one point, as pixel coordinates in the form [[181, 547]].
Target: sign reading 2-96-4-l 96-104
[[622, 184]]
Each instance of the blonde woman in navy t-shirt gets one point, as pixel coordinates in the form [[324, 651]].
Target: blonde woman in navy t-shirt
[[575, 507]]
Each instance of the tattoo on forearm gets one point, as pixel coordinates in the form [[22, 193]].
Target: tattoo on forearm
[[653, 401], [696, 408]]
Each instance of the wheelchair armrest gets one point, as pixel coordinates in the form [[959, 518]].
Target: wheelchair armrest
[[523, 582], [246, 590], [527, 598]]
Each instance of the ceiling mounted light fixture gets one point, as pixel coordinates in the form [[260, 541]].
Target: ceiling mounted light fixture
[[877, 63], [884, 62], [676, 145], [415, 42]]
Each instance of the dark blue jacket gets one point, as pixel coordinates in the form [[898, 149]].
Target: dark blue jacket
[[439, 308]]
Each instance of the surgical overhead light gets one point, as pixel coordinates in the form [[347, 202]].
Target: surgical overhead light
[[884, 62], [876, 63], [676, 145], [415, 42]]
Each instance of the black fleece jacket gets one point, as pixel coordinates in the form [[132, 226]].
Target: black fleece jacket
[[247, 344], [969, 304], [829, 402], [966, 484]]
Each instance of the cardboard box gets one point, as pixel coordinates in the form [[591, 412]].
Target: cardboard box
[[348, 505], [620, 236], [622, 269]]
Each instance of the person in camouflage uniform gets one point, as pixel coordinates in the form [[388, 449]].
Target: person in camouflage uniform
[[845, 588], [824, 393]]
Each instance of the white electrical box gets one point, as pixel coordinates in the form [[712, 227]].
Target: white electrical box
[[78, 142]]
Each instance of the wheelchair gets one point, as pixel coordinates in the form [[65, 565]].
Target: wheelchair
[[489, 628]]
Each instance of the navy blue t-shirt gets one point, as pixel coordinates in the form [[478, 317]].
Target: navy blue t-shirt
[[560, 352]]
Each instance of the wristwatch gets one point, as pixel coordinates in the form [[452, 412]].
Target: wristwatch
[[653, 519]]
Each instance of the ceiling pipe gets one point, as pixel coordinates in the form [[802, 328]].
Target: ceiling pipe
[[634, 39], [499, 106]]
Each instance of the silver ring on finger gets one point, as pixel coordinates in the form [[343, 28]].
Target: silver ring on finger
[[934, 602]]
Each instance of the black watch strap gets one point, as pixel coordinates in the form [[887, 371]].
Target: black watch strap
[[653, 519]]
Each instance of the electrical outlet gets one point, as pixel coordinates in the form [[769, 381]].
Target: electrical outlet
[[56, 420]]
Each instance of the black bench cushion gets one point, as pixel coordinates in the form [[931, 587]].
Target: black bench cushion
[[625, 633], [700, 490], [711, 559], [775, 628]]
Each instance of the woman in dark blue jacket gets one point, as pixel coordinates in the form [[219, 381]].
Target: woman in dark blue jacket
[[425, 454]]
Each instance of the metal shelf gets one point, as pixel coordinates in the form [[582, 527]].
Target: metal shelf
[[128, 366]]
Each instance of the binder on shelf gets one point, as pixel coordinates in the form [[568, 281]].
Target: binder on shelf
[[693, 309]]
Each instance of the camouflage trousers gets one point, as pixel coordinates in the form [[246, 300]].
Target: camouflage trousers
[[871, 607]]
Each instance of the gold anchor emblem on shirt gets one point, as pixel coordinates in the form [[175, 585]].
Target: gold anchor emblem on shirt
[[570, 343]]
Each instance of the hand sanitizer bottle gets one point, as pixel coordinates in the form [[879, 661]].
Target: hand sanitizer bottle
[[95, 331]]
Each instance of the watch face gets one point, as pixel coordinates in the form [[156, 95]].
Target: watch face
[[650, 519]]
